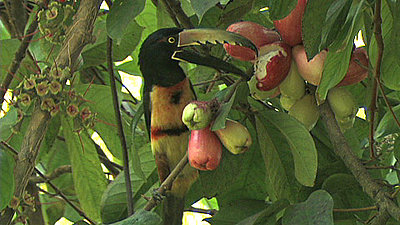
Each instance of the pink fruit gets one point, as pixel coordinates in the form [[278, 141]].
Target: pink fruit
[[258, 34], [356, 72], [205, 149], [290, 26], [311, 71], [273, 65]]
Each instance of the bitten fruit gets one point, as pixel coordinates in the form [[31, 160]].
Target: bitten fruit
[[273, 65], [256, 33]]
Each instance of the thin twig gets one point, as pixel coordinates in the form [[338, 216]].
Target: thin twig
[[58, 191], [356, 209], [341, 148], [374, 97], [380, 167], [135, 101], [179, 13], [153, 202], [210, 212], [171, 13], [207, 82], [121, 133], [53, 175], [387, 103]]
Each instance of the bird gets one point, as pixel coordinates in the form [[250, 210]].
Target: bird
[[167, 90]]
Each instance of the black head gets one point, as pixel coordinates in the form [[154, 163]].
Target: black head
[[155, 58], [162, 51]]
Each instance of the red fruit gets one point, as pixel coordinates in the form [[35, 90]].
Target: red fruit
[[205, 149], [356, 72], [256, 33], [311, 71], [272, 65], [290, 26]]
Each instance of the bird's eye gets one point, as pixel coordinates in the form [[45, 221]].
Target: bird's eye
[[171, 40]]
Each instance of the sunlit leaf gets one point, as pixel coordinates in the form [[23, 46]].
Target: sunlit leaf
[[7, 184], [89, 179]]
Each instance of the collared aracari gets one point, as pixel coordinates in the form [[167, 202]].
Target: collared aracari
[[167, 91]]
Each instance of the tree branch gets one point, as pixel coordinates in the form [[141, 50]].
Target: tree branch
[[353, 163], [55, 174], [121, 133], [374, 97], [153, 202]]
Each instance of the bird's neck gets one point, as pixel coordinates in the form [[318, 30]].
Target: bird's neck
[[167, 104]]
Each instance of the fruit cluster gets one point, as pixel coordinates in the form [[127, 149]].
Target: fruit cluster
[[46, 88], [55, 20], [281, 67], [205, 149]]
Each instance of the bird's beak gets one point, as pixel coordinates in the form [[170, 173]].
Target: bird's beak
[[193, 37]]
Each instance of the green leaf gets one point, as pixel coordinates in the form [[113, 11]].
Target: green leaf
[[387, 125], [8, 48], [316, 210], [114, 203], [89, 179], [200, 7], [3, 32], [350, 28], [137, 168], [7, 184], [279, 9], [313, 19], [277, 177], [95, 54], [237, 210], [223, 112], [335, 68], [7, 122], [58, 156], [268, 215], [301, 145], [141, 217], [163, 18], [233, 11], [335, 18], [121, 15], [394, 41], [347, 193], [99, 100], [390, 68]]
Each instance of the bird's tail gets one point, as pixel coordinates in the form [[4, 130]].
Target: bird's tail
[[173, 210]]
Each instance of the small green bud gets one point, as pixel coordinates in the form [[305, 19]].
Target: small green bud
[[85, 113], [198, 115], [29, 83], [72, 110], [47, 104], [55, 87], [42, 88], [25, 99], [54, 109]]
